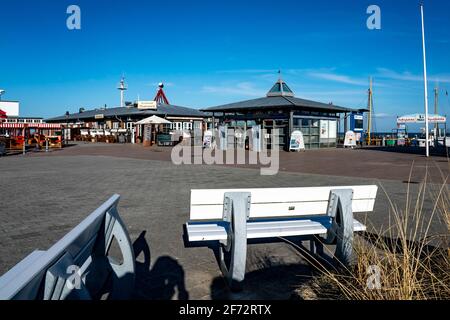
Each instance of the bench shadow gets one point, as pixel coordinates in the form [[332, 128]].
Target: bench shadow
[[165, 280], [267, 283], [273, 280]]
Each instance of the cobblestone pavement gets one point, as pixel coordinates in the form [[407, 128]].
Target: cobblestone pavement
[[43, 197], [373, 163]]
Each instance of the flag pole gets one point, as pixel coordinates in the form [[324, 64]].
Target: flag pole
[[427, 146]]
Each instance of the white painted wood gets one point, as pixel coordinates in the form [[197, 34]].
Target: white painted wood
[[267, 210], [279, 202], [267, 195], [358, 226], [27, 263], [264, 229]]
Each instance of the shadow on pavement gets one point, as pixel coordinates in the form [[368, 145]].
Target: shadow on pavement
[[270, 283], [164, 281]]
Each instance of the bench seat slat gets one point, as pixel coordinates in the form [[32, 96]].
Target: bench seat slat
[[264, 229]]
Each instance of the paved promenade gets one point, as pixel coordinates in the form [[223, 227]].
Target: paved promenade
[[366, 163], [43, 196]]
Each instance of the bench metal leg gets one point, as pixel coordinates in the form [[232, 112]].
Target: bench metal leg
[[341, 231], [123, 274], [236, 213]]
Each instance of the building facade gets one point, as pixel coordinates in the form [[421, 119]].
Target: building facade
[[280, 109], [123, 119]]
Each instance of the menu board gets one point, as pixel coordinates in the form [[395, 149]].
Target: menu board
[[350, 139], [207, 139], [297, 141]]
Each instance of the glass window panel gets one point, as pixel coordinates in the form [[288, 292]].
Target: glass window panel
[[286, 88], [276, 88]]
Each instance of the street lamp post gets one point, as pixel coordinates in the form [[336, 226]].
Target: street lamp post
[[427, 146]]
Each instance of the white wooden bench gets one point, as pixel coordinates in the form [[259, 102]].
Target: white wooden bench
[[79, 265], [233, 216]]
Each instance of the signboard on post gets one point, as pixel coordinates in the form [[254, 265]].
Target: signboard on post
[[420, 118], [350, 139], [256, 138], [147, 105], [223, 137], [297, 142]]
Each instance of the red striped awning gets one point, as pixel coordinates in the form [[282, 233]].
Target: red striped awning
[[2, 114], [30, 125], [48, 126]]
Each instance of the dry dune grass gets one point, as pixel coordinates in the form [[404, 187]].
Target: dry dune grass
[[404, 262]]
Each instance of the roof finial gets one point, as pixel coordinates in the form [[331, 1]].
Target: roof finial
[[160, 95]]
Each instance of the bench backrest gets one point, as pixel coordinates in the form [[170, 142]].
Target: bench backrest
[[82, 253], [207, 204]]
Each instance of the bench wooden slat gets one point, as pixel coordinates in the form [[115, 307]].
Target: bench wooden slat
[[277, 195], [279, 202], [258, 210], [264, 229]]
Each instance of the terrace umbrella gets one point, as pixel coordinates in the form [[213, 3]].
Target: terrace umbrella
[[153, 120]]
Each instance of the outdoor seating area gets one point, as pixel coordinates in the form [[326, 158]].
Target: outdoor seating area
[[22, 136], [101, 135]]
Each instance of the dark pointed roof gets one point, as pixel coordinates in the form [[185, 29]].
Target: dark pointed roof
[[279, 96], [163, 110]]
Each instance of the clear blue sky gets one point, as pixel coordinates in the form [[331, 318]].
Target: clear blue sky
[[214, 52]]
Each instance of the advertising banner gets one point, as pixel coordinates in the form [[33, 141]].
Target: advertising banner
[[297, 142], [350, 139]]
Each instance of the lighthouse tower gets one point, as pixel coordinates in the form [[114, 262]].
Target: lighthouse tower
[[122, 87]]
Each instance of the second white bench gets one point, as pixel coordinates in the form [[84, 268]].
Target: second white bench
[[231, 216]]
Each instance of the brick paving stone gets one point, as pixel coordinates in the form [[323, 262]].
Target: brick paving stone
[[43, 197]]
